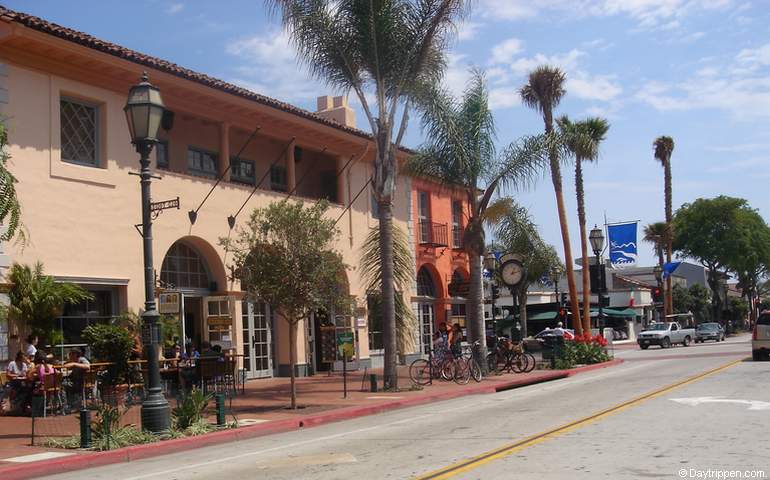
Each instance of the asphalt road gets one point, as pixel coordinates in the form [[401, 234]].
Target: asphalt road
[[657, 416]]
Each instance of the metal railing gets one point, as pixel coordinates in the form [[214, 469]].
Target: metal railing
[[434, 234]]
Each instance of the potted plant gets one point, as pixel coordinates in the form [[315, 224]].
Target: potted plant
[[111, 344]]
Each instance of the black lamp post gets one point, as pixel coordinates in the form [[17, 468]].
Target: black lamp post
[[596, 237], [490, 263], [144, 111], [657, 270]]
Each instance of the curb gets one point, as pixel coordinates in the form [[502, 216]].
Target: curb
[[137, 452]]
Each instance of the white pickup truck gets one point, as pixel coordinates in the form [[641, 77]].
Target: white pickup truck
[[665, 334]]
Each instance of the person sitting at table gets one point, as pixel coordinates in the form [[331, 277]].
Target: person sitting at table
[[31, 349], [207, 351], [41, 370], [17, 388], [77, 365]]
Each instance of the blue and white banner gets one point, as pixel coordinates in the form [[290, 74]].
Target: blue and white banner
[[623, 250]]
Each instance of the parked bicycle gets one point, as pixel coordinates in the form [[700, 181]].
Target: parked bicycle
[[422, 371], [511, 357]]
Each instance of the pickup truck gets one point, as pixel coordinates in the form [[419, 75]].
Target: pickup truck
[[665, 334]]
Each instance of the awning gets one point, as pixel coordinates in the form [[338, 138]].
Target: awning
[[614, 312]]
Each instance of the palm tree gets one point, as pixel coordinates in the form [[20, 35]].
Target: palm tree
[[543, 93], [655, 233], [664, 147], [370, 269], [583, 139], [460, 152], [389, 49]]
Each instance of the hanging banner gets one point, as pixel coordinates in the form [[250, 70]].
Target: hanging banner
[[623, 250]]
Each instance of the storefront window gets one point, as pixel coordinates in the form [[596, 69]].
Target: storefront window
[[184, 268], [76, 317]]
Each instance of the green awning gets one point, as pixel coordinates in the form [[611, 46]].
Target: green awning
[[543, 316], [625, 312]]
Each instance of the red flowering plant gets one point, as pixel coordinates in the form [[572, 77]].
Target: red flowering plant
[[585, 349]]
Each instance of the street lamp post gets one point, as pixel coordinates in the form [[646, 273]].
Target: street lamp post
[[596, 237], [658, 271], [144, 111]]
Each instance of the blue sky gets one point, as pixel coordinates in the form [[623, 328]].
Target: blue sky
[[697, 70]]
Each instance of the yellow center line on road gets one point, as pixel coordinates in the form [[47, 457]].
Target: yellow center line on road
[[505, 450]]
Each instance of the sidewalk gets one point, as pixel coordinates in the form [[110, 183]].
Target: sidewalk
[[262, 410]]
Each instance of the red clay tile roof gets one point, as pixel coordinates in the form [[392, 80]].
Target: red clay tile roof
[[89, 41]]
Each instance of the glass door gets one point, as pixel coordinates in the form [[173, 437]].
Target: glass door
[[255, 324], [426, 319]]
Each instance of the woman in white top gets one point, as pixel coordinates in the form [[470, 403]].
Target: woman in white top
[[31, 348], [17, 370]]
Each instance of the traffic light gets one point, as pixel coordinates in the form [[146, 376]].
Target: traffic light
[[657, 295], [562, 316], [495, 292]]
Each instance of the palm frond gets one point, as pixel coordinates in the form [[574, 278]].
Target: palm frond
[[497, 210], [10, 207], [544, 89], [663, 147], [370, 265]]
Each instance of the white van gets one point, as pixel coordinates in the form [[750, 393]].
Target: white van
[[760, 338]]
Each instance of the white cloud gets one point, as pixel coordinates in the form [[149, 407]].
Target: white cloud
[[505, 51], [468, 30], [457, 74], [647, 13], [755, 57], [741, 147], [566, 62], [175, 8], [506, 97], [596, 87], [270, 67]]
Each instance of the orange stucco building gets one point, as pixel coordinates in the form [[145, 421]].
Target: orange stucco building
[[439, 216], [62, 94]]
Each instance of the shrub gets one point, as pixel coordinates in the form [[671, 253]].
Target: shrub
[[110, 343], [191, 409], [583, 350]]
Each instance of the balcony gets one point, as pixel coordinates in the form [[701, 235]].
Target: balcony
[[434, 234]]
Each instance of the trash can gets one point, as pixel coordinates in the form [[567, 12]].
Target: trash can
[[552, 346]]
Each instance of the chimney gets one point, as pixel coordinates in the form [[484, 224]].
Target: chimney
[[337, 110]]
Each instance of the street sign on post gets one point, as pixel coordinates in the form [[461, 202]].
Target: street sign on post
[[345, 344]]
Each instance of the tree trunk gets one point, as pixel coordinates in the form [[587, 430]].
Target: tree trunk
[[293, 361], [581, 208], [523, 311], [475, 310], [669, 233], [557, 188], [389, 334], [661, 261]]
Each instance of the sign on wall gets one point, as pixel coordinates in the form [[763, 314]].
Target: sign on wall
[[169, 302]]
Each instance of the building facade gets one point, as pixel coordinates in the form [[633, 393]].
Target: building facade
[[62, 94]]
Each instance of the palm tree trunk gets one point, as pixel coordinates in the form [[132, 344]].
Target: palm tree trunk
[[557, 188], [583, 244], [475, 309], [669, 234], [390, 337], [293, 361], [573, 298]]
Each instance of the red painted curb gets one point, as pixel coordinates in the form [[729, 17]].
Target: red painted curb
[[128, 454]]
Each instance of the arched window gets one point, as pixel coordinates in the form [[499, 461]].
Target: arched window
[[183, 267], [425, 286]]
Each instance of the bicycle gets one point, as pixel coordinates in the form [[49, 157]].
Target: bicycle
[[469, 355], [422, 371]]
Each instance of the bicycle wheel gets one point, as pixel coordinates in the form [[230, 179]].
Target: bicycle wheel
[[475, 369], [518, 363], [462, 372], [531, 362], [448, 370], [419, 372]]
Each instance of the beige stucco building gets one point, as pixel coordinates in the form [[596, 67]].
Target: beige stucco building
[[62, 95]]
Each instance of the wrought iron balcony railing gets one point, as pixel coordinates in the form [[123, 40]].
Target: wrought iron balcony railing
[[434, 234]]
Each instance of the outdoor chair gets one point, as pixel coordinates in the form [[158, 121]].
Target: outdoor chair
[[211, 373], [53, 393]]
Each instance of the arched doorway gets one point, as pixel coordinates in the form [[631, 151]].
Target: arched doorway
[[187, 269], [425, 307]]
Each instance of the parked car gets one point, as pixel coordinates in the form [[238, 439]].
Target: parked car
[[665, 334], [709, 331], [760, 337]]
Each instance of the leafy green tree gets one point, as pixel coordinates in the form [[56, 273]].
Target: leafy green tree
[[737, 309], [10, 208], [517, 233], [543, 92], [391, 49], [370, 269], [751, 267], [663, 148], [284, 256], [460, 152], [583, 139], [695, 299], [725, 235], [37, 299]]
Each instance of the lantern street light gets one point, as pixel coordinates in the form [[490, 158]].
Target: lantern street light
[[596, 237], [144, 112]]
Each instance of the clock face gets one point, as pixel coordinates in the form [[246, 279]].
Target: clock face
[[512, 272]]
